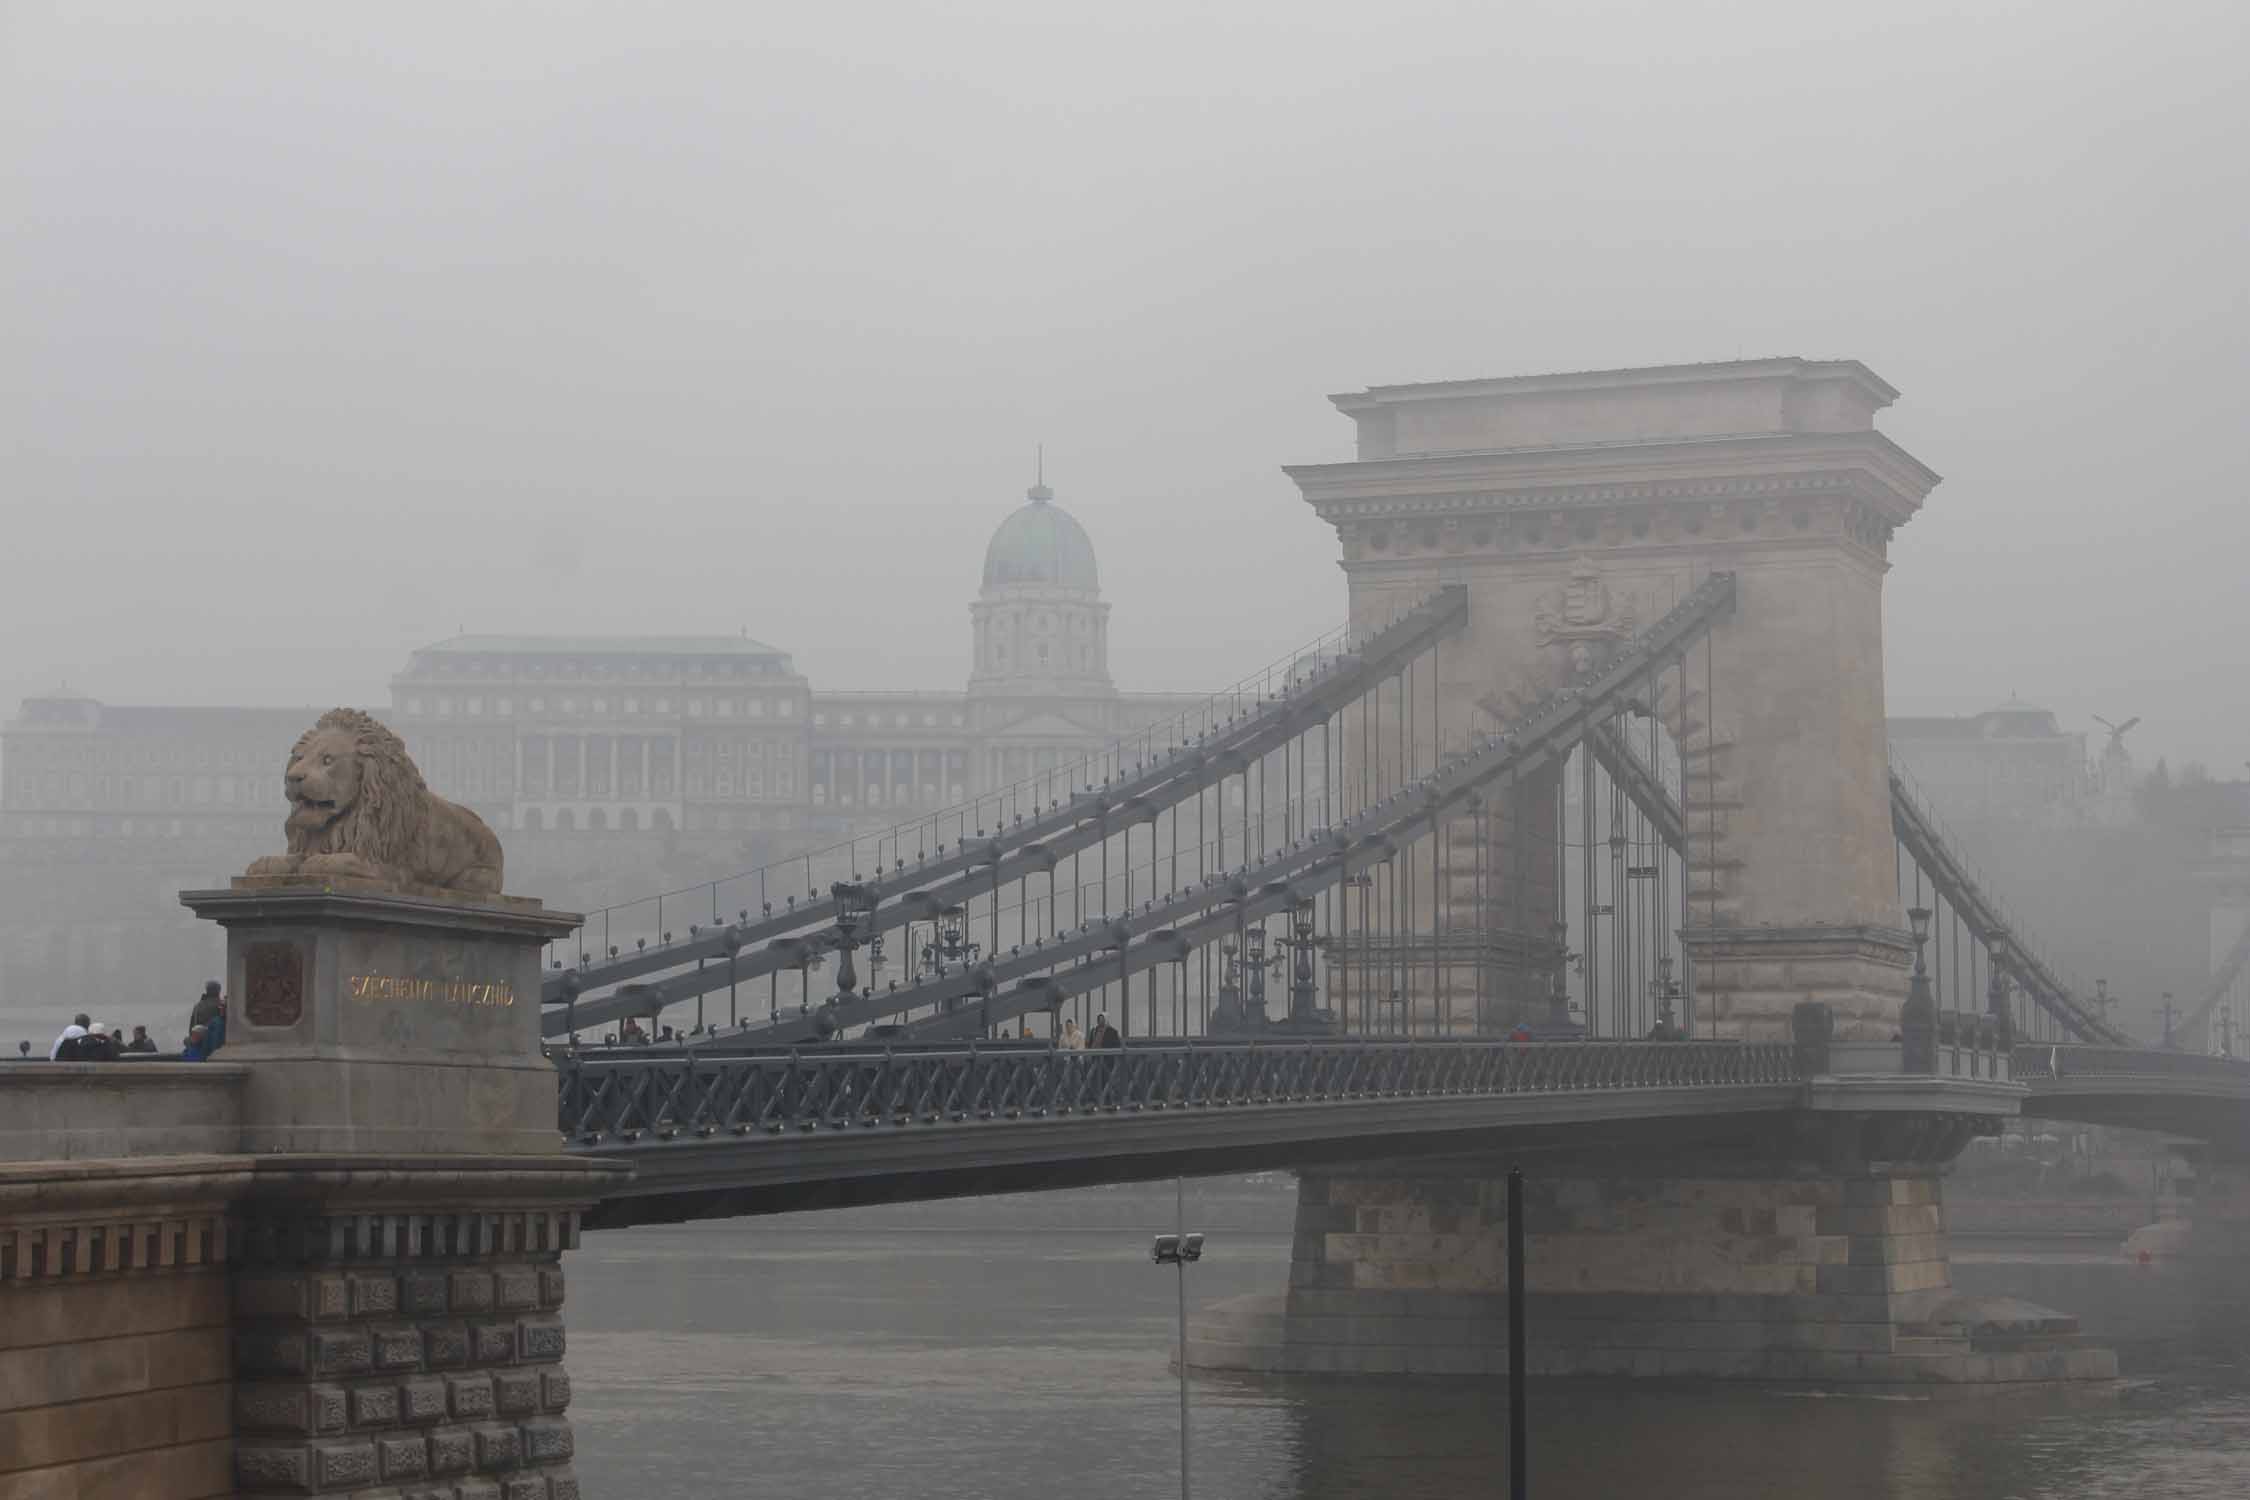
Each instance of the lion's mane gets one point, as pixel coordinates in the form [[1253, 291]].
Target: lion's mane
[[383, 824]]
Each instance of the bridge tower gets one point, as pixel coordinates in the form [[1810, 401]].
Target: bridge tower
[[1577, 507]]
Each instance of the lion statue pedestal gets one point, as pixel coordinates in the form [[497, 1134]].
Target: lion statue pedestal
[[408, 1201], [385, 989]]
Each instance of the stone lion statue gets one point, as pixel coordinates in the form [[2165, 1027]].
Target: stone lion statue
[[359, 809]]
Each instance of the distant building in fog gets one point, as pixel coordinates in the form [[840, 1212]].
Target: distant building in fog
[[713, 734], [2011, 764], [707, 748], [133, 777]]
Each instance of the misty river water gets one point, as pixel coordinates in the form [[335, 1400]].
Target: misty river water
[[1018, 1350]]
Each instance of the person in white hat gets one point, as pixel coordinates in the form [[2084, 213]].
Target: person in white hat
[[70, 1033]]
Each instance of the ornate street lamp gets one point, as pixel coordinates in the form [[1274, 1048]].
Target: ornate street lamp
[[855, 907], [1301, 979], [1667, 994], [1254, 971], [1918, 1019], [1558, 992]]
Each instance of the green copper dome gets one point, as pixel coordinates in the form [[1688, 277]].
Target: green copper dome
[[1041, 544]]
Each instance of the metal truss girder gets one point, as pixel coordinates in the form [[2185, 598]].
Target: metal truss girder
[[1028, 846], [1542, 736], [1275, 883], [1953, 882]]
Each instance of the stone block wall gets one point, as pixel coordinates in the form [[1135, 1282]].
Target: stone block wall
[[422, 1353], [113, 1344], [1625, 1234], [1835, 1277]]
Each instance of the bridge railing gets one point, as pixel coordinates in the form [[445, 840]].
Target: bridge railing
[[615, 1101], [2036, 1061], [1969, 1045]]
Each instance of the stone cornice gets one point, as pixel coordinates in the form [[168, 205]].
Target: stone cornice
[[1862, 940], [170, 1213], [293, 900], [1621, 457], [1865, 464], [359, 1184], [47, 1190], [344, 1184], [1628, 377], [1848, 483]]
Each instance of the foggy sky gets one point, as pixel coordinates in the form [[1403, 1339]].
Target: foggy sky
[[328, 331]]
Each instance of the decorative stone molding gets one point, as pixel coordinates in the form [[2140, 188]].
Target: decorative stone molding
[[80, 1219]]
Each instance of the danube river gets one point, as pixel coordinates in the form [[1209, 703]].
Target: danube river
[[1017, 1349]]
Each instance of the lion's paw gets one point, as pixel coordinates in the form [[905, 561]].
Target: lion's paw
[[350, 866]]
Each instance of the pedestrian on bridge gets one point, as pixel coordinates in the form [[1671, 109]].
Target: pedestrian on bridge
[[142, 1041], [208, 1006], [1073, 1040], [207, 1037], [1105, 1035], [70, 1033]]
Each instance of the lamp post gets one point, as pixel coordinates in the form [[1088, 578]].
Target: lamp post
[[1558, 990], [1254, 973], [855, 906], [1301, 994], [1361, 882], [1667, 994], [1178, 1250], [1918, 1018]]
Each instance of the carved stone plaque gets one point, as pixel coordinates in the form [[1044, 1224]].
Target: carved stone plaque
[[273, 984]]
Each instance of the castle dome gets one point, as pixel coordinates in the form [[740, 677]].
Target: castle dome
[[1041, 544]]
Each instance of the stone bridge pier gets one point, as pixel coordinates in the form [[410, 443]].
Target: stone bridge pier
[[330, 1263], [1577, 509], [2210, 1262], [1807, 1248]]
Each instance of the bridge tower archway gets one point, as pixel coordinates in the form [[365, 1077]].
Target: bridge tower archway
[[1577, 508]]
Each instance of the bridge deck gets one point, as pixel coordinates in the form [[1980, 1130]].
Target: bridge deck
[[713, 1136]]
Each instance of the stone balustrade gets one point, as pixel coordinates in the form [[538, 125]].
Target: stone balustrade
[[119, 1111]]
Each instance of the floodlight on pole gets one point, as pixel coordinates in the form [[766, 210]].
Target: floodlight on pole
[[1179, 1250]]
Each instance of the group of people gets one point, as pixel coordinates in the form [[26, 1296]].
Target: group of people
[[88, 1040], [1074, 1040]]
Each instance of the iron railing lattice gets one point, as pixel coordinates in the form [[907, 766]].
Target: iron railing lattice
[[609, 1101]]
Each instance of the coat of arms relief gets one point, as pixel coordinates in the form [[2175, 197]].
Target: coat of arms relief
[[1576, 626], [1582, 621]]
